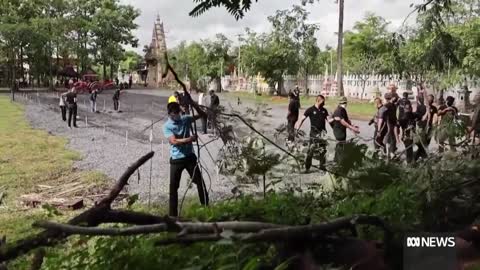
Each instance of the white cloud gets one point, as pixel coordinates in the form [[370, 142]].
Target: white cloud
[[179, 26]]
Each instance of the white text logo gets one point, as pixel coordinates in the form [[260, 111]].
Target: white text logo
[[431, 242]]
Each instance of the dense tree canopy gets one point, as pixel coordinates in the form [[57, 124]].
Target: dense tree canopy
[[50, 34]]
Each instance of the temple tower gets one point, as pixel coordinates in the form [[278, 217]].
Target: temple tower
[[155, 55]]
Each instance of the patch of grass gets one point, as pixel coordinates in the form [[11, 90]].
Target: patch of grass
[[28, 158], [357, 109]]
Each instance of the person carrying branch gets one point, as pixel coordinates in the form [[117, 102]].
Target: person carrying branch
[[407, 123], [317, 144], [340, 123], [426, 115], [182, 156]]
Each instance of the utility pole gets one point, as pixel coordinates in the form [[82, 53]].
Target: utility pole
[[239, 69], [341, 6], [331, 62]]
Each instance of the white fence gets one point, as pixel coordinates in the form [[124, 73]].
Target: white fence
[[353, 85]]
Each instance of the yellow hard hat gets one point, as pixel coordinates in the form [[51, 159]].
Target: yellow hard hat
[[172, 99]]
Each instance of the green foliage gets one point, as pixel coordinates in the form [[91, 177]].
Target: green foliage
[[290, 47], [210, 58], [130, 61], [236, 8], [367, 48], [49, 30]]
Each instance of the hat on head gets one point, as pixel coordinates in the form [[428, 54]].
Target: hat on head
[[172, 99], [342, 100], [388, 96]]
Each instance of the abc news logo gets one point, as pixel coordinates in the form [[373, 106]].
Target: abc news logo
[[431, 242]]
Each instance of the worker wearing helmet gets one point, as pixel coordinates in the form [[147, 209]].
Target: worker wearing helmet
[[182, 155]]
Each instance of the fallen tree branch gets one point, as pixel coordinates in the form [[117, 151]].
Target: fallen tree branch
[[71, 229], [188, 232], [183, 227], [123, 180]]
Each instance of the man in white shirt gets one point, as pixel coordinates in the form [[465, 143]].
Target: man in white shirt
[[203, 102], [63, 106]]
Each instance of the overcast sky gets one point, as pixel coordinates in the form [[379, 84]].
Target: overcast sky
[[179, 26]]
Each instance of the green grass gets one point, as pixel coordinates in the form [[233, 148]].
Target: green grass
[[28, 158], [357, 109]]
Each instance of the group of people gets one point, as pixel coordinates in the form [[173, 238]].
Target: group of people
[[319, 117], [124, 85], [396, 121], [68, 104]]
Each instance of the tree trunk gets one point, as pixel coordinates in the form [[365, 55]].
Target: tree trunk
[[21, 64], [363, 89], [280, 86], [50, 70], [341, 4], [193, 83], [13, 75], [104, 70], [306, 81], [111, 70], [271, 88], [264, 186], [218, 83]]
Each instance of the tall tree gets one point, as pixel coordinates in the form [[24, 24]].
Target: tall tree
[[284, 50], [217, 58], [112, 26]]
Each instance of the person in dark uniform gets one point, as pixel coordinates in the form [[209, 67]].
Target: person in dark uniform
[[340, 123], [402, 103], [387, 126], [71, 101], [407, 129], [292, 116], [374, 121], [426, 114], [183, 100], [318, 116], [116, 98], [296, 93]]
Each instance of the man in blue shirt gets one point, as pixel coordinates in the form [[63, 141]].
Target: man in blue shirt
[[177, 131]]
